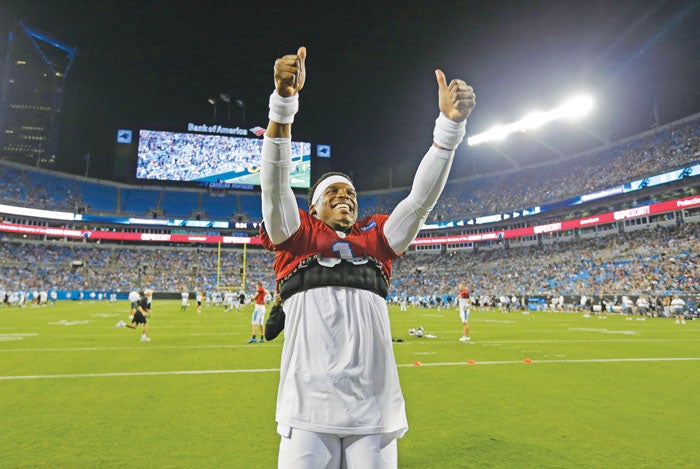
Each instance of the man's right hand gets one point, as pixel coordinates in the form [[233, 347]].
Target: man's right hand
[[455, 100], [290, 73]]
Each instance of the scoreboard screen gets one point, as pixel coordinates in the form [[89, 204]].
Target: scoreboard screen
[[213, 159]]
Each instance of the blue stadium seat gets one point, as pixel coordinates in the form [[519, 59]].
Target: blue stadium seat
[[52, 190], [219, 207], [179, 203], [11, 186], [98, 197], [139, 201], [251, 206]]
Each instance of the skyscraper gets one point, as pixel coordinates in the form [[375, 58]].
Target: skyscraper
[[31, 98]]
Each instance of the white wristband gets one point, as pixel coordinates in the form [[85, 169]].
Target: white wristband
[[448, 133], [282, 110]]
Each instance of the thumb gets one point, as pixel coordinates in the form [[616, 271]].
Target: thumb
[[302, 53], [440, 76]]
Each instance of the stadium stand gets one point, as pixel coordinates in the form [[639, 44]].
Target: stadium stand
[[12, 187], [672, 147], [180, 203], [250, 205], [98, 197], [51, 190], [220, 206], [29, 265], [652, 255], [139, 201], [654, 261], [658, 261]]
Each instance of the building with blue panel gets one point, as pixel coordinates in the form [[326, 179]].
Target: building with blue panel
[[31, 97]]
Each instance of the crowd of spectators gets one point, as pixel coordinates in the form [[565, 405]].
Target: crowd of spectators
[[37, 189], [656, 260], [662, 259], [72, 266], [669, 150]]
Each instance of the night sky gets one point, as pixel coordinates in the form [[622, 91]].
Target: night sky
[[370, 90]]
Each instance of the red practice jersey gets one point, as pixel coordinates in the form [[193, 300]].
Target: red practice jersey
[[260, 296], [313, 237]]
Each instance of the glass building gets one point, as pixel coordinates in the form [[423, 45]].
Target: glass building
[[31, 98]]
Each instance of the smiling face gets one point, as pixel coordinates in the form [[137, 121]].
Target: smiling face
[[337, 206]]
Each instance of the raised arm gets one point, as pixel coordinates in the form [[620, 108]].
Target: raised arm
[[456, 102], [279, 206]]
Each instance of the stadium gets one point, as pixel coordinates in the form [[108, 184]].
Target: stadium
[[553, 229]]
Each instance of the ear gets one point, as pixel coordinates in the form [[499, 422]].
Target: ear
[[312, 210]]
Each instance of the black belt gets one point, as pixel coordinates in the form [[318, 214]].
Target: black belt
[[310, 274]]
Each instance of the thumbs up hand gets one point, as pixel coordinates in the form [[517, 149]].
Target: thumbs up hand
[[290, 73], [455, 100]]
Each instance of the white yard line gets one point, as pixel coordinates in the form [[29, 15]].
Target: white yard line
[[404, 344], [588, 360], [139, 373], [275, 370], [134, 347]]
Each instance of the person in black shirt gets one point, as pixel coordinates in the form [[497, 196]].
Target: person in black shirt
[[143, 310]]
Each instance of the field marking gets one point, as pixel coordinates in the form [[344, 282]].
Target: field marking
[[586, 360], [133, 347], [64, 322], [276, 370], [139, 373], [411, 342], [10, 337], [546, 341], [602, 331]]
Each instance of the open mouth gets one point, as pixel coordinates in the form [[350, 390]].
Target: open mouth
[[343, 206]]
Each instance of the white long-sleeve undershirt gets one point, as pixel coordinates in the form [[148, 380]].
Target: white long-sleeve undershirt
[[279, 206]]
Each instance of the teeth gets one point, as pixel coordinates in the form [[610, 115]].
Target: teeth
[[345, 206]]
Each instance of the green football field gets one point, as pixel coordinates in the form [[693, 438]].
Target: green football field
[[77, 392]]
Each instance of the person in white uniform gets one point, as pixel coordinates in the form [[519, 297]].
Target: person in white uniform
[[465, 302], [339, 401], [185, 296]]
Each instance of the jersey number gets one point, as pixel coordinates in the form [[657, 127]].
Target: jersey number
[[343, 249]]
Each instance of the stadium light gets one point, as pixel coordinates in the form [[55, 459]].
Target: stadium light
[[225, 97], [577, 107], [241, 104], [534, 120], [571, 109], [212, 101]]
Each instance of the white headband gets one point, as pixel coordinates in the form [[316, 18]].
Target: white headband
[[321, 188]]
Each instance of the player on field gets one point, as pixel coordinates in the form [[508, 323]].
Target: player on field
[[258, 320], [199, 298], [642, 308], [678, 308], [627, 307], [143, 310], [185, 297], [241, 300], [465, 302], [339, 401]]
